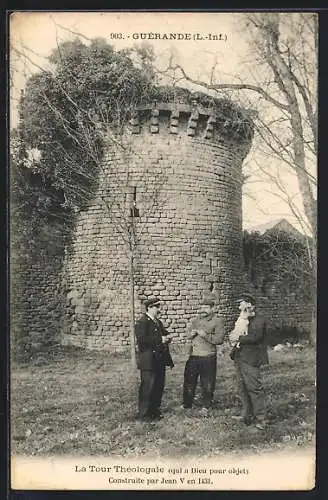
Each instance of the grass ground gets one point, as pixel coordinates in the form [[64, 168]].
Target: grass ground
[[84, 403]]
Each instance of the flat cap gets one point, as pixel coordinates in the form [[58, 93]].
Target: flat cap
[[153, 301], [247, 298]]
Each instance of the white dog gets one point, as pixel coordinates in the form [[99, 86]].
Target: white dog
[[241, 325]]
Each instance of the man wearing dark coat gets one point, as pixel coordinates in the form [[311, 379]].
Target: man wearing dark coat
[[249, 354], [153, 356]]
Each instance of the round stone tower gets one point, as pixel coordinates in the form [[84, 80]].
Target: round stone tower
[[170, 189]]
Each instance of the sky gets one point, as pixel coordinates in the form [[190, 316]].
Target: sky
[[205, 39]]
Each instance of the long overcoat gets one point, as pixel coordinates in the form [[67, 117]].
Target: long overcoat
[[152, 352]]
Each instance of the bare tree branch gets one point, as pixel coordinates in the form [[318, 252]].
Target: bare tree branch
[[220, 86]]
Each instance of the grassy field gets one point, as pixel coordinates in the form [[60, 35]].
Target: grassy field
[[84, 403]]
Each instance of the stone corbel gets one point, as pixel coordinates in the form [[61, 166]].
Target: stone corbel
[[192, 124], [174, 123], [154, 122], [210, 127]]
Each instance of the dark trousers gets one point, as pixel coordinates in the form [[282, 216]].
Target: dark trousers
[[151, 391], [204, 368], [249, 381]]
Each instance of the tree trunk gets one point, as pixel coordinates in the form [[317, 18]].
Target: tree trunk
[[284, 78], [132, 315], [313, 336]]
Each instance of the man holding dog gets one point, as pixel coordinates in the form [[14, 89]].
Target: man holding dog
[[249, 354]]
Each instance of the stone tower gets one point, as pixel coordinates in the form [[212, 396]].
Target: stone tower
[[181, 166]]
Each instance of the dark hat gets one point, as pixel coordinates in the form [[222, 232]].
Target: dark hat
[[247, 298], [151, 302], [207, 302]]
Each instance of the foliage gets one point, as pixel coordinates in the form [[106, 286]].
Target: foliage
[[34, 225], [62, 108]]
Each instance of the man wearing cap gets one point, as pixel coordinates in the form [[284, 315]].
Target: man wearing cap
[[249, 354], [153, 357], [206, 331]]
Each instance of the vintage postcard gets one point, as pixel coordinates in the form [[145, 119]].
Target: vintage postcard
[[163, 170]]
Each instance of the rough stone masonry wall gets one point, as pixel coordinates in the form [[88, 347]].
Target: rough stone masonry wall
[[188, 191], [284, 304], [288, 310], [35, 298]]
